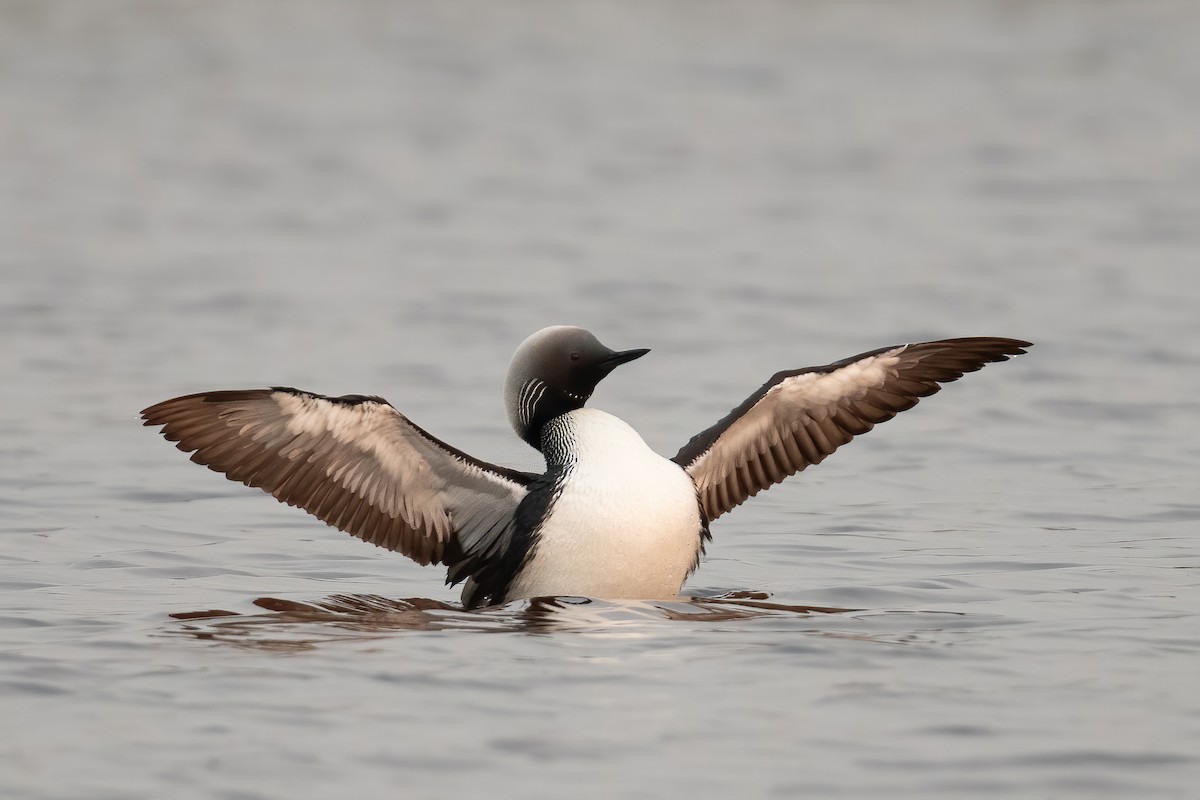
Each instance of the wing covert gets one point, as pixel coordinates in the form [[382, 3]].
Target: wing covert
[[798, 418], [354, 462]]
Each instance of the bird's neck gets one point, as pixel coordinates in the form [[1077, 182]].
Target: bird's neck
[[544, 406], [590, 436]]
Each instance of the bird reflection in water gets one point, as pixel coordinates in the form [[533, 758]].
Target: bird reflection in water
[[290, 625]]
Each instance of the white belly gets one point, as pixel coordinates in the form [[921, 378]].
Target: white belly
[[625, 525]]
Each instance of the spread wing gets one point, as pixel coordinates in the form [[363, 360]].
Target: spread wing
[[798, 418], [356, 463]]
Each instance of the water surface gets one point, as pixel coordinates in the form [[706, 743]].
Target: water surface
[[994, 595]]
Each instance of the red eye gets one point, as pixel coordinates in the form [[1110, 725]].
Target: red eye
[[575, 356]]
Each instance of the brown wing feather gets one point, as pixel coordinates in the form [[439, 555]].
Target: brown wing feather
[[799, 418], [354, 462]]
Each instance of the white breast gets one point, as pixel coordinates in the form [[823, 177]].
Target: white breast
[[625, 525]]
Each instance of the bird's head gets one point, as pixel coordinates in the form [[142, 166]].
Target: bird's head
[[555, 371]]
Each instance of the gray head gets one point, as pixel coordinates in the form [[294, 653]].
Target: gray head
[[555, 371]]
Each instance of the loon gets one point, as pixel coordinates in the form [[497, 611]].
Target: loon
[[609, 518]]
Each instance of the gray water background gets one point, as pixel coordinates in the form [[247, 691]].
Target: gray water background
[[386, 198]]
